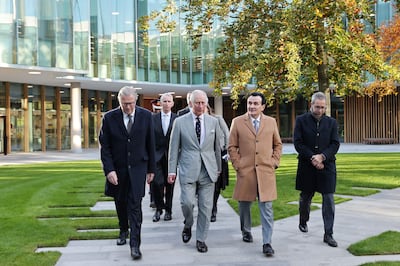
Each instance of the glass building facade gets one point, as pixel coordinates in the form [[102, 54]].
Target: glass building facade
[[99, 41]]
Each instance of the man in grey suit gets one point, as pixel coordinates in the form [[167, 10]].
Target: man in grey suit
[[194, 147]]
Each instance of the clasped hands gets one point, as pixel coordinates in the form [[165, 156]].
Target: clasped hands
[[317, 161]]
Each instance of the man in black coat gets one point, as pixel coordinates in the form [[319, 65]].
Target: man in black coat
[[128, 158], [162, 191], [316, 140]]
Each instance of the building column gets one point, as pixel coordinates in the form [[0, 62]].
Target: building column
[[76, 126], [218, 106]]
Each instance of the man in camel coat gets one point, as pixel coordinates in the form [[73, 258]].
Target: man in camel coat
[[255, 149]]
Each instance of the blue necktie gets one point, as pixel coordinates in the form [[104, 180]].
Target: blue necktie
[[255, 123]]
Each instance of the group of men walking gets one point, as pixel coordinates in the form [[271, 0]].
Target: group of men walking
[[193, 148]]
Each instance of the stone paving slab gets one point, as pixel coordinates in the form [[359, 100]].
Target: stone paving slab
[[360, 218], [357, 219]]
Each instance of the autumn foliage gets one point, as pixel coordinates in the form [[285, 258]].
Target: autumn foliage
[[389, 41]]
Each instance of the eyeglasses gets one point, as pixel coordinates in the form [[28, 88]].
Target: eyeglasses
[[127, 104]]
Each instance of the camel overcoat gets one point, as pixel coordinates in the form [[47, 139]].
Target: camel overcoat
[[255, 156]]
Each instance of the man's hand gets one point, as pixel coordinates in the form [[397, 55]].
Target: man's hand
[[171, 178], [149, 177], [112, 178], [317, 161]]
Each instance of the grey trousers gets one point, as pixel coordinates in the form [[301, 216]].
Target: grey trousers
[[204, 187], [267, 218]]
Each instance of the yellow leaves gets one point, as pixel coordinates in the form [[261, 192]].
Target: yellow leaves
[[381, 89]]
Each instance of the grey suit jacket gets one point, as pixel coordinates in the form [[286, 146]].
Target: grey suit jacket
[[185, 150]]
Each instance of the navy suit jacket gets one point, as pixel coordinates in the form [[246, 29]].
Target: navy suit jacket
[[161, 141], [131, 155]]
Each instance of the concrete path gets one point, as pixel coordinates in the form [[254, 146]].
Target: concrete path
[[355, 220]]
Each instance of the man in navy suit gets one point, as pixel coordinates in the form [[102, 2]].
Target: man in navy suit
[[163, 191], [128, 158]]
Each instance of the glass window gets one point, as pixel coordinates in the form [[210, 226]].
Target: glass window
[[7, 32], [51, 119], [2, 99], [81, 34], [17, 117], [92, 119], [46, 33], [65, 118], [35, 107]]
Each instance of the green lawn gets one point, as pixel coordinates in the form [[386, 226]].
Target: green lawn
[[38, 201]]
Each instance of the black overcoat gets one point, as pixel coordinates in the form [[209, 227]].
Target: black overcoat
[[162, 143], [314, 137], [131, 155]]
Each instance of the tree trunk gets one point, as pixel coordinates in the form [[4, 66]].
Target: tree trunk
[[323, 80]]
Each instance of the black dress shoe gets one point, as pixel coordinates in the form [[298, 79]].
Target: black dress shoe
[[201, 246], [156, 216], [303, 228], [247, 237], [213, 217], [186, 234], [135, 253], [330, 241], [167, 216], [123, 235], [268, 250]]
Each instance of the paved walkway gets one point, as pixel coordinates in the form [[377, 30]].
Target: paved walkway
[[355, 220]]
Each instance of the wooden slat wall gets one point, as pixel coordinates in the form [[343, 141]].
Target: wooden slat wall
[[366, 118]]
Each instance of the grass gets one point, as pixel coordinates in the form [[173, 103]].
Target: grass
[[29, 193], [386, 243], [39, 200]]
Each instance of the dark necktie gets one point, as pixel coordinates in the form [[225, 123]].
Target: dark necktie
[[129, 126], [198, 128]]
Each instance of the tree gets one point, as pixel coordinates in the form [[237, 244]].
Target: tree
[[388, 44], [288, 48]]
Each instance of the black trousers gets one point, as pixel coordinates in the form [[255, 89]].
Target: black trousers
[[222, 182], [135, 217], [328, 209], [122, 213], [130, 216], [162, 191]]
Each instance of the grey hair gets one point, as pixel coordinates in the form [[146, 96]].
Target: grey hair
[[194, 94], [127, 91], [167, 94], [318, 96]]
